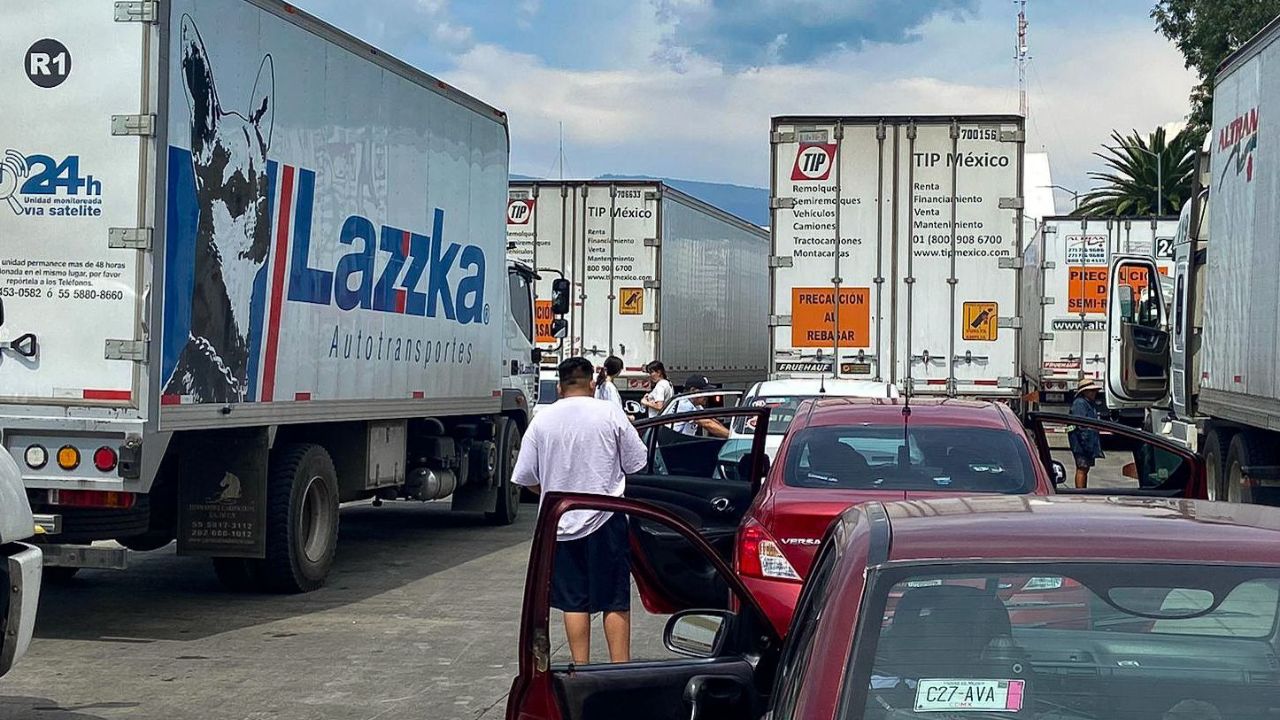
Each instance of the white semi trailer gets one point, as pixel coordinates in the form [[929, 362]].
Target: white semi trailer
[[252, 268]]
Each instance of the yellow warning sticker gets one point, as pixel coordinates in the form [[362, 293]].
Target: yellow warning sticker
[[981, 321], [631, 301]]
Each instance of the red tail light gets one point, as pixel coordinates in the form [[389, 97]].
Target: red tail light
[[92, 498], [760, 556], [105, 459]]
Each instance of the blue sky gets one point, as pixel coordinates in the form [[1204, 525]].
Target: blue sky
[[685, 88]]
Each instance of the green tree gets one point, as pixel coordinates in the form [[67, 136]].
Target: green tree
[[1207, 31], [1134, 181]]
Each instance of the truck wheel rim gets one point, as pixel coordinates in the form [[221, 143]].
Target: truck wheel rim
[[1235, 483], [315, 527], [1212, 480], [508, 471]]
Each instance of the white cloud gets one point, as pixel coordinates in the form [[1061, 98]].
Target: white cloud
[[703, 122]]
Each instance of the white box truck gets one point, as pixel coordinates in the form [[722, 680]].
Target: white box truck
[[1210, 363], [914, 223], [1065, 268], [656, 274], [252, 268]]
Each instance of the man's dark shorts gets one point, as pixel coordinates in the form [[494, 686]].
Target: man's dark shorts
[[593, 574], [1083, 462]]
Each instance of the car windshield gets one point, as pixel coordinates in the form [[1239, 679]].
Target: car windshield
[[782, 410], [1113, 641], [547, 392], [916, 457]]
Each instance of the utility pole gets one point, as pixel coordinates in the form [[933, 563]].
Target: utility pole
[[1020, 53]]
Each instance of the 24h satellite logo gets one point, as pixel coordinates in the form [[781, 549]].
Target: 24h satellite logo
[[814, 161], [519, 212]]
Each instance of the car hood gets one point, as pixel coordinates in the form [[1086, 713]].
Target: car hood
[[15, 514], [798, 518]]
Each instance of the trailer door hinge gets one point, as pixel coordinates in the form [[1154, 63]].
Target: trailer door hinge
[[778, 203], [135, 350], [653, 242], [1013, 136], [653, 195], [1010, 263], [1010, 203], [652, 284], [778, 138], [779, 321], [144, 11], [781, 261], [1009, 382], [129, 238], [1014, 323], [1048, 265], [1046, 337], [651, 327], [1047, 300], [143, 125]]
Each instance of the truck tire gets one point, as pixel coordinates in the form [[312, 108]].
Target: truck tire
[[1245, 450], [508, 505], [1214, 457], [237, 574], [302, 519]]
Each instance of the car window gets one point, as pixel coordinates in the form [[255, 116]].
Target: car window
[[782, 411], [917, 457], [548, 392], [1064, 641]]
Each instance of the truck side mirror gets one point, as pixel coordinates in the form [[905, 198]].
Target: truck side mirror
[[560, 300], [559, 328]]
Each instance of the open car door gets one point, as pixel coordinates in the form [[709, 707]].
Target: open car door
[[708, 482], [1134, 463], [720, 663], [1138, 356]]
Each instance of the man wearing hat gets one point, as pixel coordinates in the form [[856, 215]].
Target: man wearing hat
[[707, 426], [1086, 444]]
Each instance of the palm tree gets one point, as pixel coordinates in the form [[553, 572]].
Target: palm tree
[[1131, 187]]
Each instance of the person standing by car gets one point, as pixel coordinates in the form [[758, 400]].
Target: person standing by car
[[1086, 444], [582, 445], [657, 398], [605, 377], [706, 426]]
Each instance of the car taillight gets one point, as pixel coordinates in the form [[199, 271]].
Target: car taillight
[[92, 498], [759, 555]]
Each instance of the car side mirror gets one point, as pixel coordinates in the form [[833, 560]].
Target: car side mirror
[[631, 407], [697, 633], [560, 299], [536, 356], [559, 328], [1059, 473]]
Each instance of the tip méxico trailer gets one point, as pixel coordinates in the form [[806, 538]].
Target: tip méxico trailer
[[914, 223], [1210, 363], [253, 268], [655, 275]]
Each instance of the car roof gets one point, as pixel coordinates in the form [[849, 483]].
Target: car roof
[[833, 387], [1026, 527], [887, 411]]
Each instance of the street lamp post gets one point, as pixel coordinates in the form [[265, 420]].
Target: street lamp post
[[1159, 178], [1075, 196]]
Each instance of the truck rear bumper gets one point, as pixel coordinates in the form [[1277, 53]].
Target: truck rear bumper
[[86, 556]]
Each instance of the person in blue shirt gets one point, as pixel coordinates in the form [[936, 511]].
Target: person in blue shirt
[[1086, 444]]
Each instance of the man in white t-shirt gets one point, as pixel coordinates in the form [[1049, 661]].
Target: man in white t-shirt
[[662, 392], [584, 445], [708, 427]]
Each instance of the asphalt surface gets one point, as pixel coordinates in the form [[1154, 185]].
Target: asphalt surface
[[420, 618]]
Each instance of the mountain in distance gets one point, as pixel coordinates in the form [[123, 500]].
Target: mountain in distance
[[749, 203]]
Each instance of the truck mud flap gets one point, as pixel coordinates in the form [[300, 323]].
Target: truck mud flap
[[222, 494]]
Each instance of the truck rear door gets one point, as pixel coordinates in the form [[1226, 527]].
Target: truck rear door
[[959, 241], [74, 152], [819, 167]]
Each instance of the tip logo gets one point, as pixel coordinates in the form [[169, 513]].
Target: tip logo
[[813, 162], [519, 212]]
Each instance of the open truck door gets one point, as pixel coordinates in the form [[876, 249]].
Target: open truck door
[[1138, 334], [717, 663], [1152, 466], [707, 481]]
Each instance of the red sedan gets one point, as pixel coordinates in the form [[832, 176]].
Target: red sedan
[[1163, 609], [842, 452]]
